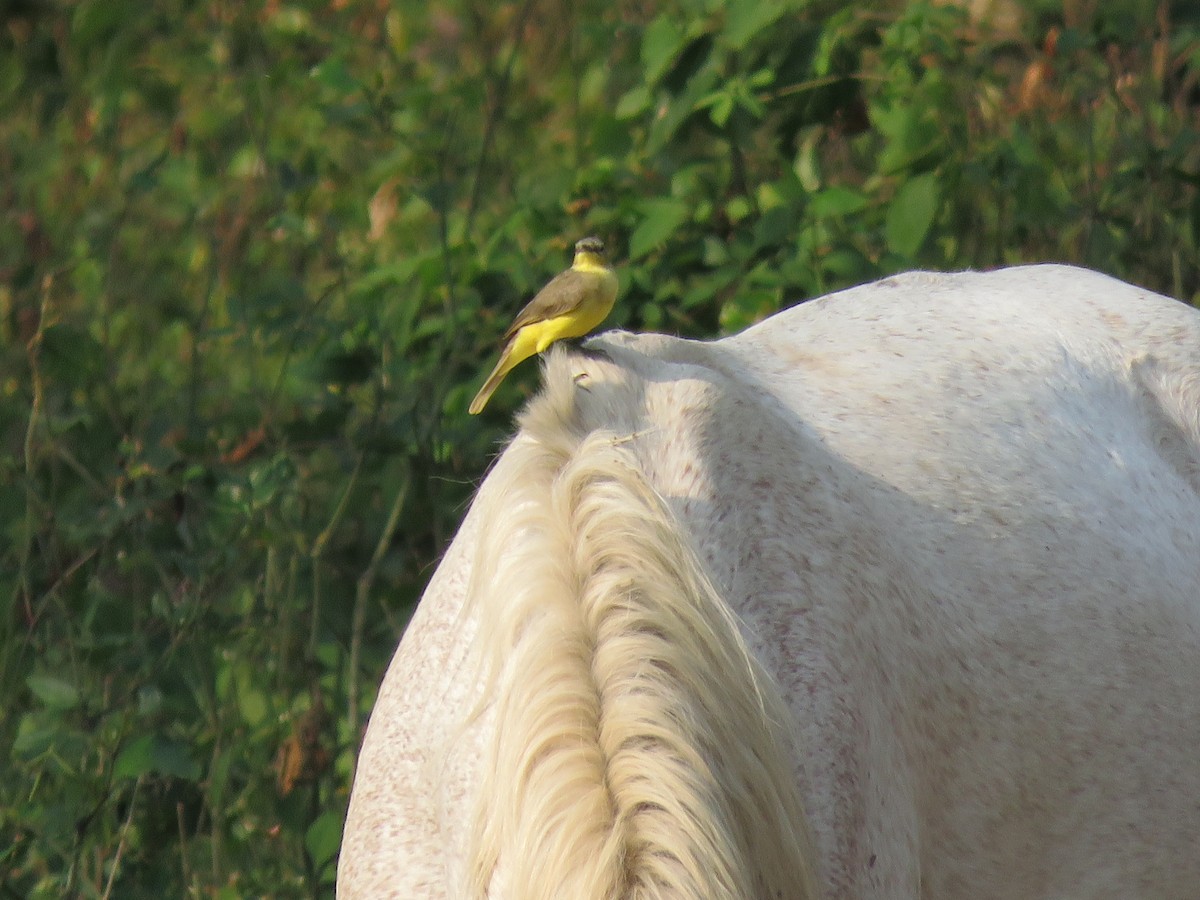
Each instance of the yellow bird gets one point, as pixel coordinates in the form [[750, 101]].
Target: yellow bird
[[571, 305]]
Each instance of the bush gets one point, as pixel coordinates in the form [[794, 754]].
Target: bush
[[256, 258]]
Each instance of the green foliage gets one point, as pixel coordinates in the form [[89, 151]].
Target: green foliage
[[255, 260]]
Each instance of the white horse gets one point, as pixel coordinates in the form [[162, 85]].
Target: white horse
[[894, 595]]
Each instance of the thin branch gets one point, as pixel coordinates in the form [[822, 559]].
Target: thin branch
[[292, 340], [489, 127], [38, 609], [216, 806], [318, 550], [812, 84], [183, 846], [116, 864], [24, 580], [365, 581], [81, 470]]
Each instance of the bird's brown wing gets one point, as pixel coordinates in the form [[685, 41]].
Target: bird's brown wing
[[559, 296]]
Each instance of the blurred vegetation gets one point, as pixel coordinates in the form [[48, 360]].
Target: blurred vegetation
[[255, 259]]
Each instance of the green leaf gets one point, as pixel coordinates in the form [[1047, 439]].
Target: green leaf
[[267, 479], [837, 201], [70, 355], [35, 735], [149, 700], [156, 753], [773, 227], [807, 166], [662, 42], [715, 253], [173, 757], [670, 116], [747, 18], [848, 265], [660, 219], [635, 102], [333, 74], [738, 208], [252, 702], [136, 758], [721, 107], [751, 305], [99, 21], [323, 837], [911, 132], [911, 213], [54, 692]]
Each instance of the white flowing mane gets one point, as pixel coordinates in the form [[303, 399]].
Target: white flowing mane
[[638, 752]]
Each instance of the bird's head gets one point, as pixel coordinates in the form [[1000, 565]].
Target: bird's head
[[589, 250]]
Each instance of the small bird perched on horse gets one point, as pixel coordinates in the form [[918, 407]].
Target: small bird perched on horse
[[572, 304]]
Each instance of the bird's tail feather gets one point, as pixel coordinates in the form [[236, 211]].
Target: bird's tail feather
[[493, 381]]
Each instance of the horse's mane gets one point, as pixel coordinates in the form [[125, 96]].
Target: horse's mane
[[639, 748]]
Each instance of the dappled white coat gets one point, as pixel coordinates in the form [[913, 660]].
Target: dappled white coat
[[958, 520]]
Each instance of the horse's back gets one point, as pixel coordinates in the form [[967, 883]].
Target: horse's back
[[959, 519]]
